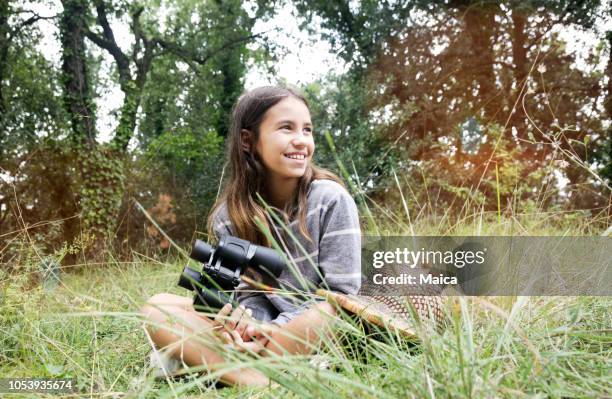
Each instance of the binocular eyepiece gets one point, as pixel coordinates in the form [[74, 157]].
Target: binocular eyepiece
[[222, 268]]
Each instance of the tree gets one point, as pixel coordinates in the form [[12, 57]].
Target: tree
[[605, 154], [31, 118], [187, 106], [24, 100], [179, 80], [221, 45], [453, 77]]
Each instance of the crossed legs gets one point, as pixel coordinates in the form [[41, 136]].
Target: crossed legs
[[173, 324]]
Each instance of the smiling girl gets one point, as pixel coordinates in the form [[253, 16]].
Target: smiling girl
[[270, 150]]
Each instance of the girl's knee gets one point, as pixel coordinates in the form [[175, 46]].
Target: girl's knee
[[164, 301], [161, 299], [152, 310], [151, 307], [151, 315]]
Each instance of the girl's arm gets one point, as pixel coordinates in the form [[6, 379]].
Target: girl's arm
[[340, 246], [339, 250]]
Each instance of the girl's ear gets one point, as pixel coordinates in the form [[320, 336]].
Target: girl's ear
[[246, 140]]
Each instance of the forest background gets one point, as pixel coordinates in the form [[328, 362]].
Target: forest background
[[464, 107], [454, 117]]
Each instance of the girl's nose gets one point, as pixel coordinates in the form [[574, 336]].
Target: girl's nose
[[299, 139]]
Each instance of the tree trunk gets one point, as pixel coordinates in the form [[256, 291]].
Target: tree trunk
[[78, 104], [480, 26], [96, 185], [4, 45], [608, 99], [232, 87], [231, 68], [77, 92], [127, 120], [519, 57], [607, 170]]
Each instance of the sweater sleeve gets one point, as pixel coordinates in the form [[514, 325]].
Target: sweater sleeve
[[285, 317], [339, 252], [340, 246]]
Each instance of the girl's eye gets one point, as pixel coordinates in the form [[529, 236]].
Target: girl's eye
[[288, 127]]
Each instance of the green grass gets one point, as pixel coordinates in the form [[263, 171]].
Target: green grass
[[89, 328]]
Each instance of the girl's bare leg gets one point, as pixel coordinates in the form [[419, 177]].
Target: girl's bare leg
[[178, 314], [302, 334]]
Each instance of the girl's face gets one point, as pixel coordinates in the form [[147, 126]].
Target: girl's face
[[286, 141]]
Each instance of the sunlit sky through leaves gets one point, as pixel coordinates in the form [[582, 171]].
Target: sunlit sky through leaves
[[302, 58]]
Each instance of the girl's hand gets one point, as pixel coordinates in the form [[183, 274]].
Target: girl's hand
[[260, 332], [258, 336], [253, 347], [220, 321], [238, 321]]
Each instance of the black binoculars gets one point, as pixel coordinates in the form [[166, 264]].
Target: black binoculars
[[223, 266]]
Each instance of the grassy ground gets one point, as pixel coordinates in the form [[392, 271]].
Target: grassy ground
[[88, 328]]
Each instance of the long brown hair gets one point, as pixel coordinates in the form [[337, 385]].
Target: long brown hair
[[247, 172]]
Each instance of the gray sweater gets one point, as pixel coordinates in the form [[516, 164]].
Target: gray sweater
[[331, 261]]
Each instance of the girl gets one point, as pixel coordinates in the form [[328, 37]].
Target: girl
[[271, 145]]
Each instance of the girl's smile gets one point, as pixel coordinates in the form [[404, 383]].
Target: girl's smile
[[298, 156]]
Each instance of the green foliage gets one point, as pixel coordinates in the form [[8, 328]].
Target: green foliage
[[184, 165], [420, 74], [90, 330], [339, 107], [357, 31], [420, 70], [179, 78], [199, 76], [183, 152], [100, 190], [30, 107]]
